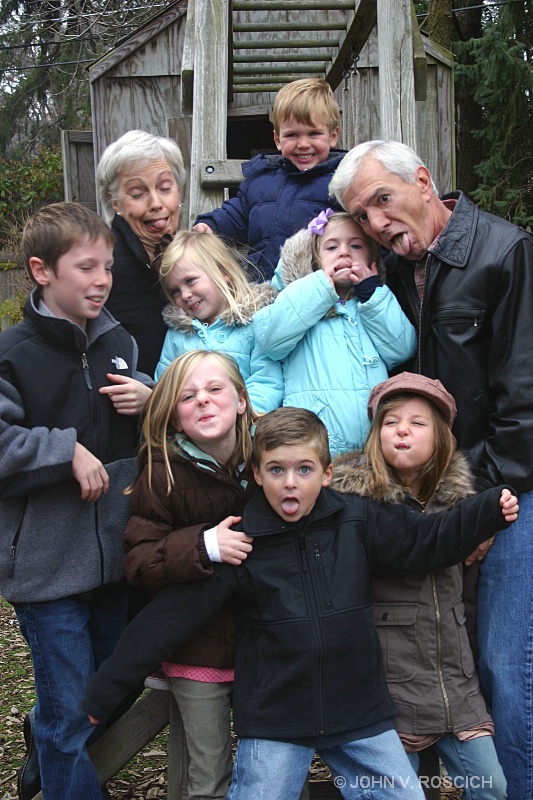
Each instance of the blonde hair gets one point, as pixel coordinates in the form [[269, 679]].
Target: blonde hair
[[383, 476], [159, 420], [215, 259], [308, 101]]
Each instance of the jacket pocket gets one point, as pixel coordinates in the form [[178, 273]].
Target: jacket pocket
[[467, 658], [396, 626]]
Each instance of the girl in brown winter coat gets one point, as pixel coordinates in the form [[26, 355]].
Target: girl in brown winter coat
[[409, 457], [194, 477]]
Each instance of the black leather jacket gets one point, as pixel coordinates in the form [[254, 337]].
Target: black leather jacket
[[475, 331]]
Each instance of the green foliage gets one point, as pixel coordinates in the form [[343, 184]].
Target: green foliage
[[26, 186], [498, 67], [12, 308]]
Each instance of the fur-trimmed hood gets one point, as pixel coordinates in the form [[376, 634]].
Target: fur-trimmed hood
[[352, 474], [264, 295]]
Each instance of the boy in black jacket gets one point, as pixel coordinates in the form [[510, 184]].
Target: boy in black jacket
[[308, 674]]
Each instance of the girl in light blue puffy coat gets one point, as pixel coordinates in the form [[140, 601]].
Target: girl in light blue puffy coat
[[334, 328], [211, 308]]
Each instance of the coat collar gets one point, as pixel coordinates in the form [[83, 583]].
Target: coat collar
[[263, 295], [352, 474], [259, 519]]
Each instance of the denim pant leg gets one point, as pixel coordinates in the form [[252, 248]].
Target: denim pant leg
[[473, 767], [205, 710], [376, 768], [505, 633], [269, 770], [59, 636]]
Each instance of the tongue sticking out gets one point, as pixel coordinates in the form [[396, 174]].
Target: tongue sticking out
[[401, 244], [157, 225], [290, 506]]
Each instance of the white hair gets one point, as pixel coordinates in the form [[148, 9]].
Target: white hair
[[395, 157], [134, 149]]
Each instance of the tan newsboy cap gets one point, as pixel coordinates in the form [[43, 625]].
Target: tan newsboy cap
[[410, 382]]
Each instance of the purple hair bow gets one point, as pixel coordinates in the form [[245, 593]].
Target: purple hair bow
[[318, 224]]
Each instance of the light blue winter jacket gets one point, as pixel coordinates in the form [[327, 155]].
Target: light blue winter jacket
[[332, 354], [263, 377]]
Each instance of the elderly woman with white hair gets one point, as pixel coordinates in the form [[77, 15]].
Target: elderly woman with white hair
[[139, 179]]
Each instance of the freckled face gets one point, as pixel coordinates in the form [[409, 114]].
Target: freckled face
[[148, 199], [291, 477]]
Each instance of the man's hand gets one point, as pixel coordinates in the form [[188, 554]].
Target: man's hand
[[127, 395], [90, 474], [480, 552], [233, 546]]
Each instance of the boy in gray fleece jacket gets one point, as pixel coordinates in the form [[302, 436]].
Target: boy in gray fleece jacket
[[69, 400]]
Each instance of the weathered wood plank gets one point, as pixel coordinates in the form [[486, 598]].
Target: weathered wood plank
[[360, 27], [220, 173], [396, 82], [78, 167], [209, 97]]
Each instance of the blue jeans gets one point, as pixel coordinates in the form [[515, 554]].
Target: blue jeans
[[505, 633], [472, 766], [367, 769], [68, 640]]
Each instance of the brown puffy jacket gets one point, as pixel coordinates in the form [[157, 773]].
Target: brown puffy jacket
[[421, 621], [164, 541]]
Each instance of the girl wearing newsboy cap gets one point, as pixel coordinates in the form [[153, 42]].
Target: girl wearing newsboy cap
[[410, 457]]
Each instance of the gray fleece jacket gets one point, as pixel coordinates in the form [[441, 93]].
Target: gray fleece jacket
[[53, 544]]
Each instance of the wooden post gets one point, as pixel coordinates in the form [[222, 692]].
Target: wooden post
[[396, 81], [210, 92]]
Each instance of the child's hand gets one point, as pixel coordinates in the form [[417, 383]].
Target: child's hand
[[233, 546], [93, 720], [202, 227], [509, 504], [127, 395], [90, 473], [361, 272]]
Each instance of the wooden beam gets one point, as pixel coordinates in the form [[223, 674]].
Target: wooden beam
[[269, 44], [420, 64], [209, 98], [221, 173], [130, 733], [187, 63], [360, 28], [396, 81], [292, 5]]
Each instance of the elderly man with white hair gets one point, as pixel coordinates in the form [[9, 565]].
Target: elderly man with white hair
[[465, 280]]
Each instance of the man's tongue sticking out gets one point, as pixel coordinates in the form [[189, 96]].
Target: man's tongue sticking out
[[401, 244]]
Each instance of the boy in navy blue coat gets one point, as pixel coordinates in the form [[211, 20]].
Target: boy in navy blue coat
[[280, 194]]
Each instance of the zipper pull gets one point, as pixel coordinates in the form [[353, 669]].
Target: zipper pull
[[86, 372]]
